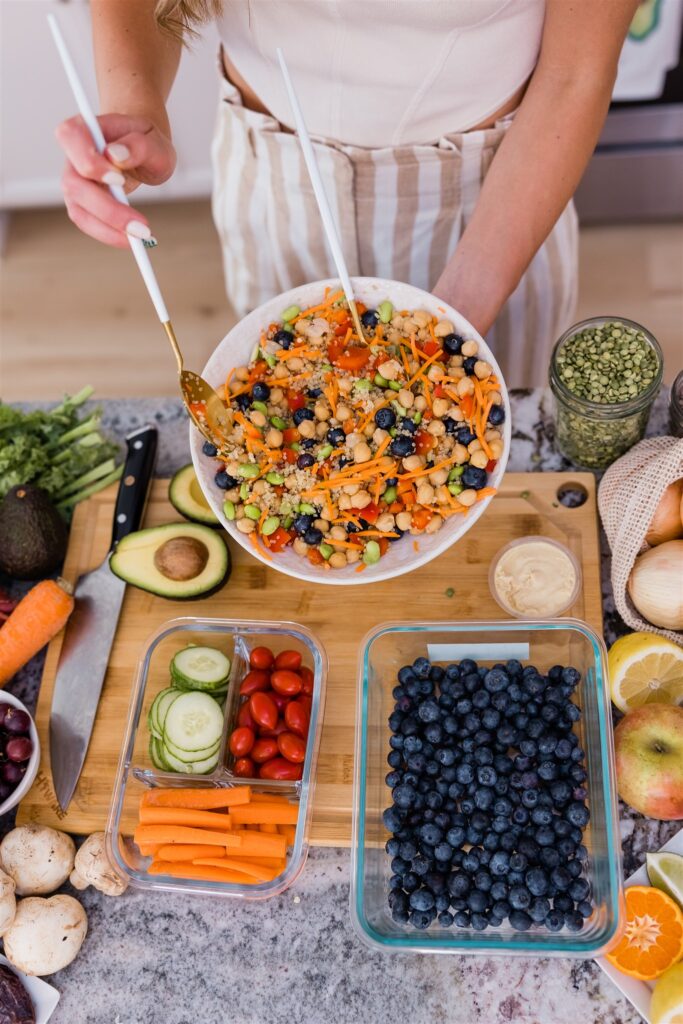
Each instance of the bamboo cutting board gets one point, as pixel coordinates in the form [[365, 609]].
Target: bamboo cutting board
[[452, 587]]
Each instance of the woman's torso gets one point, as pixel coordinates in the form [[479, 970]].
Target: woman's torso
[[379, 73]]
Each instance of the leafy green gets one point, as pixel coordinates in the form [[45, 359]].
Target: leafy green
[[60, 450]]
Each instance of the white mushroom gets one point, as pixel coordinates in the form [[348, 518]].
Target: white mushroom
[[93, 867], [37, 857], [8, 904], [45, 935]]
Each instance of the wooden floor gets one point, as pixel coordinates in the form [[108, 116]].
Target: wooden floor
[[73, 312]]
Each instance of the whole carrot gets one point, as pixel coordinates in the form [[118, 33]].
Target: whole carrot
[[39, 616]]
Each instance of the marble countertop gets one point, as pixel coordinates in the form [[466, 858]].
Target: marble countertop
[[168, 959]]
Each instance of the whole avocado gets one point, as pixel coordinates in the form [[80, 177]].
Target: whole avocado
[[33, 535]]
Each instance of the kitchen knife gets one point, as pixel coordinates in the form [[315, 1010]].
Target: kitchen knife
[[91, 628]]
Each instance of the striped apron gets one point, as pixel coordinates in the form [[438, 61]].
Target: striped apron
[[399, 212]]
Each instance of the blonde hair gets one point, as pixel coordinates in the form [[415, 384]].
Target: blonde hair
[[178, 17]]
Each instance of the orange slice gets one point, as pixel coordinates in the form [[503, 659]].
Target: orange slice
[[653, 939]]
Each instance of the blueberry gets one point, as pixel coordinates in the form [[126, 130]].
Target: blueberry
[[243, 402], [499, 889], [560, 878], [443, 851], [535, 728], [585, 908], [336, 436], [477, 901], [539, 909], [561, 792], [399, 866], [385, 418], [530, 798], [545, 836], [483, 881], [462, 919], [445, 919], [520, 921], [479, 922], [501, 908], [482, 755], [486, 775], [577, 814], [404, 796], [304, 461], [574, 921], [452, 344], [392, 819], [407, 426], [421, 864], [563, 750], [519, 897], [433, 800], [563, 903], [520, 816], [260, 392], [570, 676], [541, 816], [445, 756], [468, 364], [496, 415], [395, 759], [369, 318], [536, 881], [496, 679], [209, 449], [549, 857], [224, 481], [470, 861], [436, 881], [402, 446], [483, 798], [282, 338], [506, 735], [554, 921], [459, 884], [579, 889], [464, 774], [421, 667], [429, 833], [456, 836], [299, 415], [421, 918]]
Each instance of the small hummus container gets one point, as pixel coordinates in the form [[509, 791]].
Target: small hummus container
[[535, 577]]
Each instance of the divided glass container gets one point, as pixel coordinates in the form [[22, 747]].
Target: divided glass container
[[543, 644], [136, 771]]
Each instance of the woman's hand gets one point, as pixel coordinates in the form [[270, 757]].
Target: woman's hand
[[137, 152]]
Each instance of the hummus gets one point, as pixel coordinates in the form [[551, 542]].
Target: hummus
[[535, 578]]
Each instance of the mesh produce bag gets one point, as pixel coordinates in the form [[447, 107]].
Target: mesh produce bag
[[628, 496]]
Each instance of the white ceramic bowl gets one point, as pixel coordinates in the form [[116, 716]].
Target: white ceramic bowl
[[32, 769], [236, 349]]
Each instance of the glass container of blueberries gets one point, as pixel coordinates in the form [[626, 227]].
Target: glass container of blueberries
[[485, 807]]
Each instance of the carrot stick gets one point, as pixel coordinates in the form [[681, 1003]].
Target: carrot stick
[[182, 834], [289, 832], [188, 851], [266, 798], [274, 814], [247, 867], [183, 816], [39, 616], [258, 844], [270, 830], [267, 862], [150, 849], [186, 869], [200, 799]]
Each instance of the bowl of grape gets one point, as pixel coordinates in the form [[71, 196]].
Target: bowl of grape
[[19, 751]]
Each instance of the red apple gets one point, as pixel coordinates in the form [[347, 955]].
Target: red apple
[[649, 751]]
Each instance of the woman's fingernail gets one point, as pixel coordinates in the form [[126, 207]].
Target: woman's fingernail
[[113, 178], [138, 230], [118, 153]]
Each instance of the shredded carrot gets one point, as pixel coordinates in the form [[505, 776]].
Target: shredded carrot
[[485, 492], [361, 568], [376, 533], [342, 544], [416, 546], [253, 540], [329, 301]]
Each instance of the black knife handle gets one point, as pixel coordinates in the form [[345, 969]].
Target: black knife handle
[[138, 471]]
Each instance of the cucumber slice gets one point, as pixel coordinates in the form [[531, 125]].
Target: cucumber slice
[[161, 700], [200, 668], [156, 755], [188, 756], [192, 767], [193, 722]]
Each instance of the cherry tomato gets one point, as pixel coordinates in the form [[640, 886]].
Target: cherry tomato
[[264, 750], [263, 710], [245, 768], [297, 718], [288, 659], [424, 442], [307, 680], [285, 682], [257, 679], [241, 741], [274, 733], [280, 700], [296, 400], [261, 657], [244, 718], [279, 539], [279, 768], [292, 747]]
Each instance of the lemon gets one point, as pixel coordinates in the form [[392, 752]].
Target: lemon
[[645, 669], [665, 872], [667, 999]]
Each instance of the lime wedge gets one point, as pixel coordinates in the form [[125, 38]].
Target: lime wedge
[[665, 872], [667, 999]]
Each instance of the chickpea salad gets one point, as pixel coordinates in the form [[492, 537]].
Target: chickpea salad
[[339, 446]]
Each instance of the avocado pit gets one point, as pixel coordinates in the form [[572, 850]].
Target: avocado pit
[[181, 558]]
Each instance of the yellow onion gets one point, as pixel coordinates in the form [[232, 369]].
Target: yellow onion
[[666, 523], [656, 585]]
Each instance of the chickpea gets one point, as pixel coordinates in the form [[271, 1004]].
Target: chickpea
[[497, 448], [352, 556], [321, 428], [492, 434], [440, 407], [422, 318], [460, 453], [386, 522], [420, 403], [321, 525], [496, 397], [343, 413], [436, 428], [479, 459], [410, 325], [361, 452], [447, 443], [239, 512], [403, 520], [393, 336], [338, 560], [406, 398], [455, 362], [386, 462], [246, 525], [482, 369], [344, 502], [397, 321], [295, 365], [274, 438], [464, 387], [290, 483], [361, 500], [353, 439], [232, 468], [276, 396], [434, 524], [351, 489], [439, 476], [468, 497], [337, 533], [345, 385], [443, 328], [368, 429], [413, 462], [378, 435], [457, 373], [442, 495], [242, 373], [307, 428], [280, 372], [233, 495], [425, 494], [390, 370], [329, 513], [469, 348], [457, 414], [259, 487], [474, 446], [300, 546], [321, 411], [435, 374]]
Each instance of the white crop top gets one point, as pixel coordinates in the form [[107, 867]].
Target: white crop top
[[380, 73]]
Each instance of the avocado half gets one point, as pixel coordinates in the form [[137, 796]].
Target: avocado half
[[187, 497], [180, 561]]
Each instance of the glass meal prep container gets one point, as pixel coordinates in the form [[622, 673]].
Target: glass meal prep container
[[543, 644], [136, 771]]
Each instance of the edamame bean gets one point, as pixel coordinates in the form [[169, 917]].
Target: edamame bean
[[290, 313], [394, 385], [456, 472], [371, 553], [385, 311], [455, 489], [326, 550], [278, 422], [275, 478], [229, 510], [417, 418], [324, 452], [307, 509], [248, 471], [363, 384], [252, 511], [390, 495], [261, 406], [270, 526], [380, 381], [244, 492]]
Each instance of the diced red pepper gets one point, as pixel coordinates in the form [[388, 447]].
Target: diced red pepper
[[289, 455], [296, 400], [279, 539], [431, 347], [491, 465], [351, 357], [370, 513], [290, 435], [424, 442], [314, 556]]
